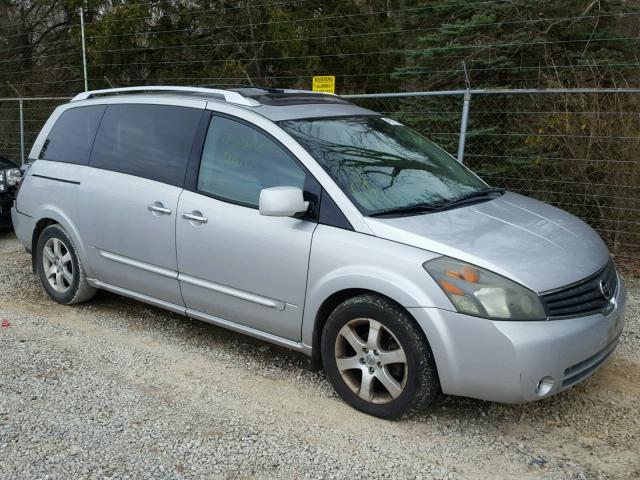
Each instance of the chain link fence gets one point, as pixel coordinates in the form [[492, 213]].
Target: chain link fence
[[576, 149], [20, 122]]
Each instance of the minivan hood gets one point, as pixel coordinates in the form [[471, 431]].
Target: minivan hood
[[531, 242]]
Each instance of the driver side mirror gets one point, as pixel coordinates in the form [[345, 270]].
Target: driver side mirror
[[282, 202]]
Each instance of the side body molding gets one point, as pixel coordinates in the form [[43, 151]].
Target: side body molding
[[164, 272], [215, 287], [249, 297]]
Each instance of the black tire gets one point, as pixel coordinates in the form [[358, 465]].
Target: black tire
[[77, 289], [419, 375]]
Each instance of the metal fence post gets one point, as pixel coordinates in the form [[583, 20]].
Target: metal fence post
[[84, 51], [21, 103], [463, 125]]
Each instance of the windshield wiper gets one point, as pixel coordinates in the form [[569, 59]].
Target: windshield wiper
[[415, 208], [473, 197], [406, 210]]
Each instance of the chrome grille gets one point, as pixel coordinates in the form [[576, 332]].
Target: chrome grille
[[590, 295]]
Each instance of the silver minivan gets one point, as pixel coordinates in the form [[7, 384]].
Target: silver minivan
[[309, 222]]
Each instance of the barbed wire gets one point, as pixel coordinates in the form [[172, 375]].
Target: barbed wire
[[566, 182], [400, 73], [366, 34], [543, 158], [397, 75], [89, 23], [43, 44], [40, 57], [101, 21], [319, 18], [226, 9], [510, 112], [332, 17], [348, 54]]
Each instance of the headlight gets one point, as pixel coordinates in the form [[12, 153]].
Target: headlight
[[479, 292], [12, 176]]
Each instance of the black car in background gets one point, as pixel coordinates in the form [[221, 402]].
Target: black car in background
[[9, 180]]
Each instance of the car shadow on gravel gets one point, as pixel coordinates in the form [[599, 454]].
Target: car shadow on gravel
[[7, 234], [283, 363], [189, 333]]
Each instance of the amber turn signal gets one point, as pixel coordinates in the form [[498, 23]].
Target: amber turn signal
[[471, 275], [451, 288]]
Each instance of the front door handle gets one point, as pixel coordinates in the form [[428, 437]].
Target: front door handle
[[195, 217], [158, 208]]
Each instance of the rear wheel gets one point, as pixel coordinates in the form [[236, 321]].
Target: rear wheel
[[59, 267], [377, 358]]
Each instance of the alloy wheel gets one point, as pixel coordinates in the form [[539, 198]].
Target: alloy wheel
[[57, 263], [371, 361]]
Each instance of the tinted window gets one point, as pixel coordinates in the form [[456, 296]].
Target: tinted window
[[238, 162], [72, 135], [150, 141]]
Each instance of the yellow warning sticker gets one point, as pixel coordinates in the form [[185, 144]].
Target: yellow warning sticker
[[324, 83]]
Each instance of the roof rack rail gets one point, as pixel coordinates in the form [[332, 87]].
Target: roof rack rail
[[226, 95]]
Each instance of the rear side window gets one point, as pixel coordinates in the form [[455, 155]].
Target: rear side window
[[238, 161], [71, 138], [149, 141]]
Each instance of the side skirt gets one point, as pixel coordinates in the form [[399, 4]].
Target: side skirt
[[182, 310]]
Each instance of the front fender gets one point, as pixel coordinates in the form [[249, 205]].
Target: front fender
[[343, 260]]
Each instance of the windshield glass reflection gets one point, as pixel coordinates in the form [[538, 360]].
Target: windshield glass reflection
[[381, 164]]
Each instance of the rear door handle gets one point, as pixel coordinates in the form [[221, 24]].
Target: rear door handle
[[195, 217], [158, 208]]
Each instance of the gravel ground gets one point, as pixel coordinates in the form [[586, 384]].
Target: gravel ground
[[117, 389]]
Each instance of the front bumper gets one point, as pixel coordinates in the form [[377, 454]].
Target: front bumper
[[515, 361]]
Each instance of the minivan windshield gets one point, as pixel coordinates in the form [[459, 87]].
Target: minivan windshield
[[384, 166]]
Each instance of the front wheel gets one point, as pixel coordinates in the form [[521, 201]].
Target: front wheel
[[377, 358]]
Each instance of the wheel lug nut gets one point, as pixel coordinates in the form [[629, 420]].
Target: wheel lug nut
[[362, 360], [366, 350], [371, 370], [375, 352], [379, 364]]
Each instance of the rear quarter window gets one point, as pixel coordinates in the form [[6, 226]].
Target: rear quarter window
[[71, 137], [148, 141]]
